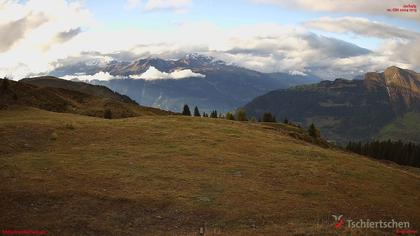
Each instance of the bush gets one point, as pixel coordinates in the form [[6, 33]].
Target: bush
[[108, 114], [268, 117], [69, 126], [54, 136], [241, 115], [229, 116]]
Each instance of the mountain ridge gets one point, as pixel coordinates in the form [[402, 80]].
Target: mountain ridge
[[224, 88], [346, 109]]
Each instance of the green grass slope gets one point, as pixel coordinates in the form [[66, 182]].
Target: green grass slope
[[404, 128], [95, 90], [72, 99], [172, 175]]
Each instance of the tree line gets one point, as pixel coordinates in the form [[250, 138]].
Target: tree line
[[395, 151], [240, 115]]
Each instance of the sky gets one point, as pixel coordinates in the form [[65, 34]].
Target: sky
[[341, 38]]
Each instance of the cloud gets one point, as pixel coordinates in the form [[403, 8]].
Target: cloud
[[262, 47], [62, 37], [34, 36], [372, 7], [68, 40], [172, 5], [14, 31], [154, 74], [132, 4], [102, 76], [279, 48], [295, 72], [67, 35], [360, 26]]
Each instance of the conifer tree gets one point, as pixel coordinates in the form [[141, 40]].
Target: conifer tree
[[313, 131], [396, 151], [186, 110], [196, 112], [213, 114]]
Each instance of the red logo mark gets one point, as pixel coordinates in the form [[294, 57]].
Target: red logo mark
[[339, 221]]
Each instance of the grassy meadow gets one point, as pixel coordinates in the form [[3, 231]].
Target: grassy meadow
[[172, 175]]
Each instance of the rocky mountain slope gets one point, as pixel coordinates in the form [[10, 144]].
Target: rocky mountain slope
[[346, 109]]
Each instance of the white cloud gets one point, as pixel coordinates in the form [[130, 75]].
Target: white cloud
[[179, 6], [173, 5], [373, 7], [360, 26], [39, 34], [132, 4], [154, 74], [295, 72], [69, 36], [266, 48], [102, 76]]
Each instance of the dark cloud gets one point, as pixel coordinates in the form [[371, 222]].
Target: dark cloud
[[335, 48], [67, 35], [361, 26], [13, 31]]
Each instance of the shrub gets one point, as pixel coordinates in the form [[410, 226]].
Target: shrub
[[241, 115], [108, 114], [229, 116], [268, 117], [69, 126], [54, 136], [213, 114]]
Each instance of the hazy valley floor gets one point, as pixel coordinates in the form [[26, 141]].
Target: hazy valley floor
[[172, 175]]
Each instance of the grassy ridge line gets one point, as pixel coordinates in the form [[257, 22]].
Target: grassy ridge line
[[173, 174], [61, 99]]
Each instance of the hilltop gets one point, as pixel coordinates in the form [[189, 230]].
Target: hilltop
[[53, 94], [158, 175]]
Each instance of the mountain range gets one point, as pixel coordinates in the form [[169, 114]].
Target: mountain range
[[382, 105], [195, 79]]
